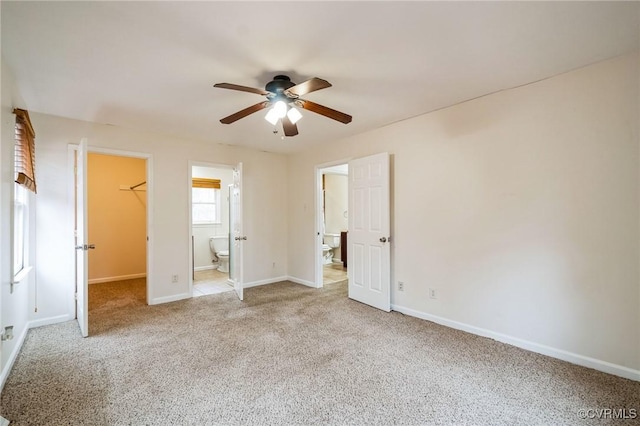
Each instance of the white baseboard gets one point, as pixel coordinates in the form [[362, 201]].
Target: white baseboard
[[303, 282], [585, 361], [118, 278], [264, 282], [12, 357], [167, 299], [49, 321], [204, 268]]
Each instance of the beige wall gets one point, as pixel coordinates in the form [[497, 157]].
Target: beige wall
[[520, 208], [169, 231], [116, 218]]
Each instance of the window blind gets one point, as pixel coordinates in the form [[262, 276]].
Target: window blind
[[25, 150], [205, 183]]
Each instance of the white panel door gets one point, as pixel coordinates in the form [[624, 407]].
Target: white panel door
[[82, 258], [236, 237], [369, 249]]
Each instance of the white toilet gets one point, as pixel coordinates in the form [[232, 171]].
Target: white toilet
[[331, 241], [220, 246]]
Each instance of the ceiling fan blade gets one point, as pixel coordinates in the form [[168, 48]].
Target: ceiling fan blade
[[323, 110], [241, 114], [290, 129], [308, 86], [241, 88]]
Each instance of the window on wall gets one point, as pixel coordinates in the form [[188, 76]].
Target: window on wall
[[25, 180], [205, 201], [20, 215]]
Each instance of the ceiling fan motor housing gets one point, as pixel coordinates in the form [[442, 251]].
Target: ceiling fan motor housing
[[279, 84]]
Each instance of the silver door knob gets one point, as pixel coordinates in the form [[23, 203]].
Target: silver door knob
[[383, 239]]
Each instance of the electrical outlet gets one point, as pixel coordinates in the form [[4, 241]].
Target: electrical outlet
[[400, 285], [433, 293], [174, 278]]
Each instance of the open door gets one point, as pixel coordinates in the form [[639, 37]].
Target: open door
[[236, 233], [82, 261], [369, 249]]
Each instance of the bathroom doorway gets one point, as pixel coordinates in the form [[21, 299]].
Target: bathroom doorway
[[332, 218], [210, 223]]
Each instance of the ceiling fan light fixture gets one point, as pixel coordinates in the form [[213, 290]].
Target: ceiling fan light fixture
[[280, 107], [294, 115], [272, 116]]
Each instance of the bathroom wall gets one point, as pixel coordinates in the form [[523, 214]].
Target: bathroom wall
[[116, 217], [336, 204], [202, 256]]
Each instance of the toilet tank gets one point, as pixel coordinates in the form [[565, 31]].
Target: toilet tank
[[332, 240], [219, 243]]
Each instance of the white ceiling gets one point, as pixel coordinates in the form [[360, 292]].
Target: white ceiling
[[152, 65]]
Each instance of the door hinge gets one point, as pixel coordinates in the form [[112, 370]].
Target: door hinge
[[86, 247], [75, 296]]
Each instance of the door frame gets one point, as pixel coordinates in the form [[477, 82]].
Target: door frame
[[191, 164], [72, 151], [318, 222]]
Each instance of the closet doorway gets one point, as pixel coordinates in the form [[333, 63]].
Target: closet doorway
[[117, 220]]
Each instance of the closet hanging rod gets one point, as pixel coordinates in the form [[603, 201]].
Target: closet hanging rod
[[140, 184]]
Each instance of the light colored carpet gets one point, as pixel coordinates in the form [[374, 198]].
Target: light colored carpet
[[290, 354]]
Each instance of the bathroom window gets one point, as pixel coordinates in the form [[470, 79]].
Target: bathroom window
[[205, 201]]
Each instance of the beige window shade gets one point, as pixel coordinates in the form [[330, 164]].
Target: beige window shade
[[25, 150], [206, 183]]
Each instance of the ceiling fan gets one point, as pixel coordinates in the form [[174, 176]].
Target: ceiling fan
[[283, 96]]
